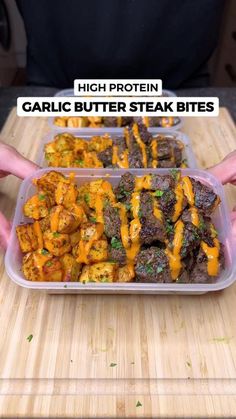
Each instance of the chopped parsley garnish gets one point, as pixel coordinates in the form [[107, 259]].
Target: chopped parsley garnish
[[56, 234], [42, 197], [115, 243], [104, 279], [48, 263], [87, 198], [158, 193], [128, 207], [140, 214], [169, 228], [44, 252], [29, 338], [65, 286], [138, 404], [159, 269], [79, 161], [93, 219], [149, 269], [113, 364]]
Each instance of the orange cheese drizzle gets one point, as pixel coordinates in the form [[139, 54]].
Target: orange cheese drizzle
[[146, 121], [154, 153], [212, 254], [188, 190], [174, 255], [40, 261], [85, 246], [140, 143], [179, 202], [54, 222], [123, 162], [38, 233], [144, 182]]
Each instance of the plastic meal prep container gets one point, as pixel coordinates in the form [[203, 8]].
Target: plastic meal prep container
[[70, 93], [187, 152], [221, 219]]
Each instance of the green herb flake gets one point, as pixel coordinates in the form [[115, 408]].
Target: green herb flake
[[140, 214], [158, 193], [44, 252], [138, 404], [93, 219], [113, 364], [169, 228], [56, 234], [29, 338], [87, 198], [42, 197], [174, 173], [159, 269], [79, 162], [48, 263], [189, 364], [128, 207], [115, 243], [149, 268], [65, 286], [223, 339], [132, 363]]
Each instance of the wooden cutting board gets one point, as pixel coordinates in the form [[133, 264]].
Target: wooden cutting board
[[117, 356]]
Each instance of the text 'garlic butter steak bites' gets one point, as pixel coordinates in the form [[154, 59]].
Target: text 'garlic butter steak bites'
[[137, 148], [154, 228]]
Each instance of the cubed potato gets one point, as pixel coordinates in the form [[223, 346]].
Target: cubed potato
[[53, 159], [77, 122], [63, 221], [98, 251], [99, 272], [28, 240], [56, 243], [67, 158], [74, 239], [71, 268], [66, 194], [37, 206], [41, 266], [60, 122], [80, 145], [100, 143], [125, 274], [90, 233], [48, 182], [64, 142], [45, 223]]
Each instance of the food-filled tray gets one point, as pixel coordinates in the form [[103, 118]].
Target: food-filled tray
[[187, 153], [110, 124], [220, 219]]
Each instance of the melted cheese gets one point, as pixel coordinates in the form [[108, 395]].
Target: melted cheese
[[54, 222], [146, 121], [124, 228], [179, 195], [105, 190], [174, 255], [154, 153], [38, 233], [39, 262], [119, 121], [212, 254], [122, 162], [85, 245], [36, 203], [131, 253], [140, 143], [135, 204], [144, 182], [194, 216], [156, 210], [188, 190]]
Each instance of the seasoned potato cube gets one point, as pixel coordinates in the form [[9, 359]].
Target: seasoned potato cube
[[99, 272], [60, 121], [45, 223], [67, 158], [64, 142], [37, 207], [71, 268], [53, 159], [63, 221], [125, 274], [100, 143], [77, 122], [89, 233], [56, 243], [66, 194], [28, 240], [48, 182], [41, 266], [98, 251]]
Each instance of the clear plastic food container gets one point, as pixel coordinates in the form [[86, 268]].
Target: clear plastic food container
[[70, 93], [220, 218], [187, 152]]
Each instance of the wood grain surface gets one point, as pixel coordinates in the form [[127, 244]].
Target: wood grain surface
[[117, 356]]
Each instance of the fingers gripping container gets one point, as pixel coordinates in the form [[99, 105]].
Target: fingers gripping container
[[13, 259], [70, 93], [187, 152]]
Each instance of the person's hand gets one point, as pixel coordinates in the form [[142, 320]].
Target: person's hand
[[225, 172], [12, 162]]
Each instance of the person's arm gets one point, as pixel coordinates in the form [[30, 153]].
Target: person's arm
[[12, 162], [225, 171]]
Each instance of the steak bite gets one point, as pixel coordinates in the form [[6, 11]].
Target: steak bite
[[191, 239], [200, 273], [117, 252], [205, 198], [106, 157], [112, 222], [125, 188], [152, 266], [162, 182], [152, 228]]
